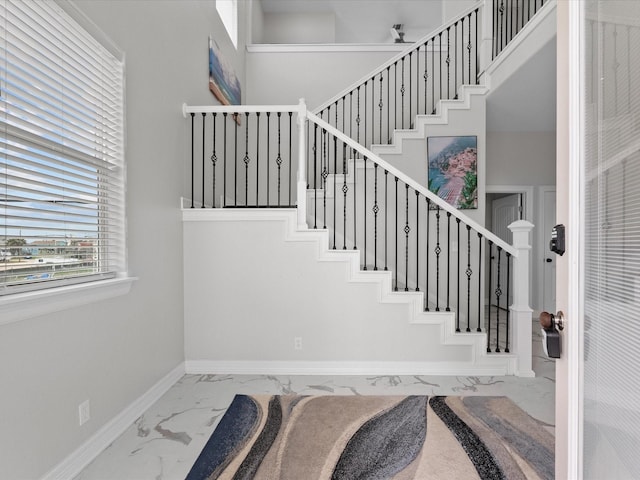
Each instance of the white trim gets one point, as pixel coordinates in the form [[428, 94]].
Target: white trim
[[326, 48], [259, 367], [20, 306], [89, 450], [528, 191], [541, 252]]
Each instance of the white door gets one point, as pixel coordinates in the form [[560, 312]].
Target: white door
[[504, 210], [548, 258], [598, 180]]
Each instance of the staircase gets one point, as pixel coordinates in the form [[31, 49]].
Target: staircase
[[335, 182]]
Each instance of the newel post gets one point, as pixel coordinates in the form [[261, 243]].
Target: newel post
[[302, 165], [521, 310]]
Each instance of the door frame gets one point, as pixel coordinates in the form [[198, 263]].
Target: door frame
[[570, 212]]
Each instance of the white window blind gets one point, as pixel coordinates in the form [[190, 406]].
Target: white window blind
[[61, 151]]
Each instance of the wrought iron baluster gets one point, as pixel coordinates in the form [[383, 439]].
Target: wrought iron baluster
[[455, 60], [358, 118], [402, 90], [478, 328], [335, 181], [203, 155], [426, 256], [364, 212], [325, 174], [395, 95], [193, 170], [373, 110], [506, 350], [468, 272], [448, 62], [498, 295], [440, 63], [345, 189], [433, 77], [214, 160], [375, 216], [355, 202], [258, 159], [315, 185], [426, 75], [290, 156], [438, 250], [380, 105], [224, 171], [365, 119], [407, 230], [410, 89], [386, 209], [396, 237], [448, 309], [458, 286], [489, 306], [477, 50], [279, 157], [246, 160], [417, 241], [315, 170], [235, 163], [469, 47], [388, 105]]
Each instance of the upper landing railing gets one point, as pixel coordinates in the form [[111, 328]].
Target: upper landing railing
[[250, 156]]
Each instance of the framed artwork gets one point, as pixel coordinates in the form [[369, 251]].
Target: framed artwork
[[223, 82], [453, 171]]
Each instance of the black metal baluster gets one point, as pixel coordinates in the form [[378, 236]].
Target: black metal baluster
[[335, 181], [417, 83], [448, 309], [315, 170], [455, 61], [518, 27], [358, 118], [402, 90], [388, 104], [458, 287], [438, 250], [214, 161], [224, 172], [426, 256], [315, 185], [375, 216], [325, 174], [235, 162], [258, 160], [386, 209], [246, 160], [426, 75], [440, 63], [448, 62], [417, 241], [407, 229], [410, 89], [433, 77], [373, 110], [478, 328], [469, 47], [395, 95], [506, 350], [498, 295], [355, 202], [380, 105], [468, 272], [364, 212], [477, 80], [290, 157], [396, 237], [500, 21], [494, 37], [203, 155], [345, 189], [193, 171], [279, 157], [489, 306]]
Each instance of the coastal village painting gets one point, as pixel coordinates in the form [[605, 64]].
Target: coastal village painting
[[223, 82], [453, 173]]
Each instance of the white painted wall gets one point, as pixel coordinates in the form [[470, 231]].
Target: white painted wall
[[521, 158], [247, 300], [113, 351], [452, 8], [299, 28], [281, 78]]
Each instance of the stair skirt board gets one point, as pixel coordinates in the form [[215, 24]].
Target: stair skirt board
[[478, 363], [505, 365]]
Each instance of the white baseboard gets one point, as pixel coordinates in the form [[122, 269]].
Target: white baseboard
[[83, 455], [240, 367]]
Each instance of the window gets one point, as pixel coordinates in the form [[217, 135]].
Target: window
[[228, 11], [61, 151]]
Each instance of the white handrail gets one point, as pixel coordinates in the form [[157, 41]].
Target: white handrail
[[399, 56], [413, 184], [241, 109]]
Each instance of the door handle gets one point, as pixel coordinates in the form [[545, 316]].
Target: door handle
[[551, 327], [549, 321]]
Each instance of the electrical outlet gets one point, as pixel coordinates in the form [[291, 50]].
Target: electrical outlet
[[84, 412], [297, 343]]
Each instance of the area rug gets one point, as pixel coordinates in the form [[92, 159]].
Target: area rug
[[375, 437]]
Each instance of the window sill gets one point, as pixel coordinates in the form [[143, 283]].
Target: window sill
[[21, 306]]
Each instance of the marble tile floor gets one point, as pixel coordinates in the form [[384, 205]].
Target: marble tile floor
[[165, 441]]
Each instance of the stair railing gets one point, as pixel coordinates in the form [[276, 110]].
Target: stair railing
[[249, 156], [508, 18], [410, 84]]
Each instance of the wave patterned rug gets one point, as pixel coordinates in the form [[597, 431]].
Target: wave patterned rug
[[375, 437]]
